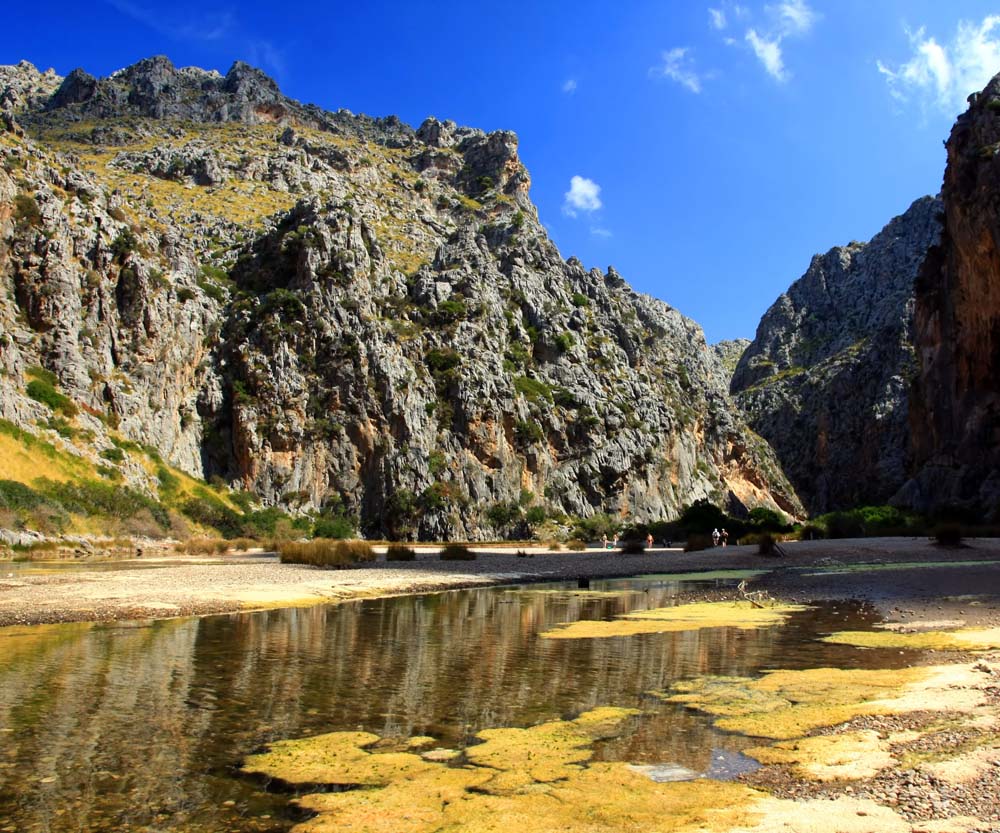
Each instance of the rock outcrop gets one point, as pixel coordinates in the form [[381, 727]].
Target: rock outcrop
[[330, 310], [955, 411], [826, 379]]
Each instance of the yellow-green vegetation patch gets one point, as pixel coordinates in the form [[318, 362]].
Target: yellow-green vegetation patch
[[901, 565], [707, 575], [790, 704], [590, 594], [686, 617], [968, 639], [335, 758], [847, 756], [532, 780]]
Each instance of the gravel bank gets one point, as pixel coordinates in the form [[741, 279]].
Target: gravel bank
[[179, 586]]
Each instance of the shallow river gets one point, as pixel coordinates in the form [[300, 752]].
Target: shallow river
[[142, 726]]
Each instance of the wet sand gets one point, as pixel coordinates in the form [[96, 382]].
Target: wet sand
[[171, 585]]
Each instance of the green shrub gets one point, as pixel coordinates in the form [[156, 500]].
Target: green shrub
[[532, 389], [948, 534], [400, 552], [697, 542], [61, 427], [703, 516], [43, 375], [810, 532], [214, 513], [565, 398], [594, 527], [14, 496], [124, 244], [576, 545], [336, 527], [449, 311], [564, 342], [26, 211], [92, 497], [844, 525], [503, 514], [633, 546], [169, 482], [580, 300], [528, 431], [535, 515], [42, 391], [764, 518], [115, 455], [457, 552], [442, 359]]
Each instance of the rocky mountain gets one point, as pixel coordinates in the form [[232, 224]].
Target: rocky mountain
[[955, 402], [826, 380], [334, 311]]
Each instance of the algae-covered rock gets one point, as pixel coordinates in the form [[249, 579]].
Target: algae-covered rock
[[969, 639], [850, 756], [790, 704], [743, 615]]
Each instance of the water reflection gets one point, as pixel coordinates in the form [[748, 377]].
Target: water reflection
[[141, 726]]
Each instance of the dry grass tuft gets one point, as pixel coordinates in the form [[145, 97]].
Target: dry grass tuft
[[400, 552], [326, 552], [457, 552]]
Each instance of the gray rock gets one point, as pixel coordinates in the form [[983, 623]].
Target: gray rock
[[404, 342], [827, 376]]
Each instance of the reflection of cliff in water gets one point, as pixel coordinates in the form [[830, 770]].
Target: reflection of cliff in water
[[108, 725]]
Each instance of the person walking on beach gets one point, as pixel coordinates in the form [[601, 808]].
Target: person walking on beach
[[604, 541], [649, 539], [715, 537], [725, 537]]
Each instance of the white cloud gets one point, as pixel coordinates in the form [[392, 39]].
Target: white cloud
[[717, 18], [678, 66], [794, 17], [583, 195], [769, 53], [943, 76], [569, 86], [597, 231]]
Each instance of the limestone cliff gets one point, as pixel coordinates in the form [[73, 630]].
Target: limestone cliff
[[955, 412], [826, 379], [333, 310]]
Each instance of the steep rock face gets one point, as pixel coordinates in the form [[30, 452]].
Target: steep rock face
[[826, 378], [328, 309], [955, 420], [729, 353]]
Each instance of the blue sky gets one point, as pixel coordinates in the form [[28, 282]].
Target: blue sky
[[705, 149]]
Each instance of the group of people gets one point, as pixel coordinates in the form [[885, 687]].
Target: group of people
[[720, 536]]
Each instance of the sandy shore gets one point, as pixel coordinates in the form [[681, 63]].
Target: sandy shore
[[33, 593]]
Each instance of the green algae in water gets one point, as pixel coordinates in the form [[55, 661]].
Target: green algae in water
[[685, 617], [534, 779], [969, 639], [789, 704], [844, 569], [707, 575]]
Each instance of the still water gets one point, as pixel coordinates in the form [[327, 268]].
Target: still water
[[142, 726]]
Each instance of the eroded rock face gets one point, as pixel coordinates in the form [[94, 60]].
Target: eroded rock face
[[326, 308], [826, 379], [955, 419]]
